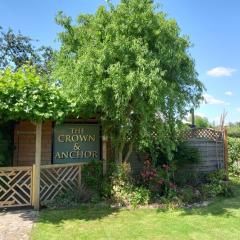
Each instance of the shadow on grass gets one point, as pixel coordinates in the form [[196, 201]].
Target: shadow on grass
[[86, 213]]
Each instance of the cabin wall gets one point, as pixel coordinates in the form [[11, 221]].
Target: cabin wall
[[24, 143]]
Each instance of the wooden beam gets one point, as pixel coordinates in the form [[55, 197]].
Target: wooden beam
[[33, 185], [79, 176], [63, 165], [36, 175], [104, 154], [225, 150]]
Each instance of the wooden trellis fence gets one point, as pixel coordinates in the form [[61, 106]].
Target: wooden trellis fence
[[15, 186], [17, 183], [58, 178], [204, 133]]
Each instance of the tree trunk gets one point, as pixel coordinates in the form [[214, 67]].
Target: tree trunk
[[130, 150], [119, 154], [116, 155]]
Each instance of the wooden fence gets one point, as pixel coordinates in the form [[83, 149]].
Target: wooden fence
[[29, 186], [15, 186], [212, 147], [204, 133], [58, 178], [17, 183]]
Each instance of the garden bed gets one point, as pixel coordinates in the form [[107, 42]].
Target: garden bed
[[218, 220]]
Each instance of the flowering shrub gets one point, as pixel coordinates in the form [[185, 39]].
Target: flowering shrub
[[158, 179], [149, 175]]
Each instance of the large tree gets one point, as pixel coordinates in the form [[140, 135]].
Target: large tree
[[130, 66], [17, 49], [202, 122]]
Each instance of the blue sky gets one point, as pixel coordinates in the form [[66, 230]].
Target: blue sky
[[213, 28]]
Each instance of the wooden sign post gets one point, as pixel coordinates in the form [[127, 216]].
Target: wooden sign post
[[225, 150], [36, 167]]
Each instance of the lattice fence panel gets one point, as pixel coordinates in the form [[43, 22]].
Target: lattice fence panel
[[15, 186], [204, 133], [55, 180]]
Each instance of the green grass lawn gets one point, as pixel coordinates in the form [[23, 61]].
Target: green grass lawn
[[220, 220]]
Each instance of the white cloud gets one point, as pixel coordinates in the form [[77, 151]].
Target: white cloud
[[238, 109], [209, 99], [229, 93], [221, 72]]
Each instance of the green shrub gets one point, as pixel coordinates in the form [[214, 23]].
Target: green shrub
[[117, 184], [93, 178], [130, 195], [216, 185], [235, 168], [234, 155], [124, 191], [216, 176], [211, 190], [189, 194], [234, 130], [139, 196], [185, 177], [208, 185], [92, 175], [6, 143]]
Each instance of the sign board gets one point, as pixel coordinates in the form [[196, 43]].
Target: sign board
[[74, 143]]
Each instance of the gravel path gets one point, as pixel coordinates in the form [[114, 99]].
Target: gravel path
[[16, 225]]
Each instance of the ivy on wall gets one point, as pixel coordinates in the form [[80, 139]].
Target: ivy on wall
[[24, 95], [6, 143]]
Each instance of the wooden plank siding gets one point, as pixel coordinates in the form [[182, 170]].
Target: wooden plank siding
[[24, 143]]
